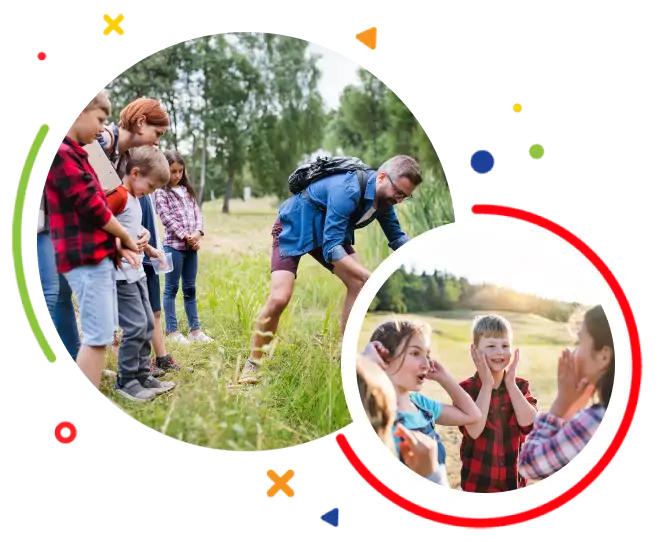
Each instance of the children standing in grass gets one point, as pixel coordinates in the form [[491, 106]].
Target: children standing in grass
[[177, 207], [490, 447], [405, 350], [146, 170], [560, 434], [141, 123], [84, 234]]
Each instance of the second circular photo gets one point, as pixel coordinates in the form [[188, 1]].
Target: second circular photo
[[486, 361]]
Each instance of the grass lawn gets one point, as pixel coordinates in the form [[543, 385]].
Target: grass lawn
[[302, 398]]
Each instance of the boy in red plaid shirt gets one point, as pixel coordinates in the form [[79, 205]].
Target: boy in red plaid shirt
[[490, 447], [86, 236]]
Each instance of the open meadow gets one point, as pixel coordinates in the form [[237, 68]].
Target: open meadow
[[302, 398], [540, 342]]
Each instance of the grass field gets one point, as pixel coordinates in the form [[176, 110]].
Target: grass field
[[539, 340], [302, 398]]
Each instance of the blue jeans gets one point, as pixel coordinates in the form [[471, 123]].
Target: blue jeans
[[185, 270], [96, 292], [57, 293]]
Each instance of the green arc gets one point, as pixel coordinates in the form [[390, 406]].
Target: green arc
[[16, 243]]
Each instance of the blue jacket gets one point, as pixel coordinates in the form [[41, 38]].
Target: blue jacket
[[326, 215]]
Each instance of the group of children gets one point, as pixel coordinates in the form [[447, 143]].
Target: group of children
[[101, 246], [505, 442]]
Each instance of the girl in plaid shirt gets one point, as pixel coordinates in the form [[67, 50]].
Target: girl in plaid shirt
[[560, 434], [176, 204], [405, 350]]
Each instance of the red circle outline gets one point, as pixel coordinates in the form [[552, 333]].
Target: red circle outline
[[621, 433], [65, 439]]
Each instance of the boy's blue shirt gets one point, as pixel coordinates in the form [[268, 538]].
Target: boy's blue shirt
[[327, 217]]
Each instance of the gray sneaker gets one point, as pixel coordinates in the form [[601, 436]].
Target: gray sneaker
[[250, 374], [156, 386], [134, 391]]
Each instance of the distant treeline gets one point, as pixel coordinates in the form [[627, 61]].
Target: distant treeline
[[406, 292]]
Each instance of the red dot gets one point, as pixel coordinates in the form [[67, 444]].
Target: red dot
[[41, 56], [72, 432]]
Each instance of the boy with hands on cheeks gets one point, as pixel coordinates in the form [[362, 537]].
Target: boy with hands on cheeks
[[490, 447]]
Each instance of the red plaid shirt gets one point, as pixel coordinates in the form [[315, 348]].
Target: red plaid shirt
[[489, 463], [77, 210]]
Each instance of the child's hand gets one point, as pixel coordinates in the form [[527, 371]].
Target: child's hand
[[133, 258], [418, 451], [375, 351], [511, 371], [484, 371], [437, 371], [129, 244], [192, 240], [573, 393], [143, 239]]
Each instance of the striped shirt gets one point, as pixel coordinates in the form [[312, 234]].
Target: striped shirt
[[179, 215], [554, 442]]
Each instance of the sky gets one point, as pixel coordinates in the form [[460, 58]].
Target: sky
[[337, 72], [519, 257]]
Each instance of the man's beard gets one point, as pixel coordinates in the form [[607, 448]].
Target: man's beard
[[383, 202]]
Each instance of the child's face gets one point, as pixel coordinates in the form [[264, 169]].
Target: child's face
[[89, 124], [175, 173], [142, 185], [408, 369], [590, 362], [496, 351]]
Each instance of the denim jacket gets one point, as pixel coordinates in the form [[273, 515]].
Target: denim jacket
[[326, 215]]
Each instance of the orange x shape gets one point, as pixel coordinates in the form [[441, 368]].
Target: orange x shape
[[280, 483], [113, 24]]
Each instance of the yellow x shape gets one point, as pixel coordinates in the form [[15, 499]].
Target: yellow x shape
[[113, 24], [281, 483]]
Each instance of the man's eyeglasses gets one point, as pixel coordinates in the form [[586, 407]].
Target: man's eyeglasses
[[398, 191]]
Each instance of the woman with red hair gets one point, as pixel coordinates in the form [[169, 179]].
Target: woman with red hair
[[142, 122]]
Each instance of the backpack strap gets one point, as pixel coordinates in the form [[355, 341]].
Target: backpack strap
[[362, 177]]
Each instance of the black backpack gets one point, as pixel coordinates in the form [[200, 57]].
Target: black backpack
[[309, 173]]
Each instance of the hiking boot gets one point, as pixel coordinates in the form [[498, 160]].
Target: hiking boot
[[165, 363], [134, 391], [250, 374], [156, 386], [155, 373]]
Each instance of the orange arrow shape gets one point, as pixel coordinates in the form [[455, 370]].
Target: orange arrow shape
[[368, 37]]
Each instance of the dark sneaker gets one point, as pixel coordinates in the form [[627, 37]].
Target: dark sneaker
[[156, 386], [166, 363], [134, 391], [250, 374], [155, 370]]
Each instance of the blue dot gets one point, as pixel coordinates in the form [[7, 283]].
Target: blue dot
[[482, 162]]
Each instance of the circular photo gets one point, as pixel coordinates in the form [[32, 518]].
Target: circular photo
[[177, 216], [484, 371]]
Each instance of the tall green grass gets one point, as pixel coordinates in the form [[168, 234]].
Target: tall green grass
[[430, 208], [301, 398]]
